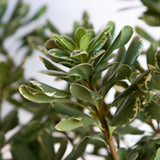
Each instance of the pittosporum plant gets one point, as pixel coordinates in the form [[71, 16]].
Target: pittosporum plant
[[92, 64]]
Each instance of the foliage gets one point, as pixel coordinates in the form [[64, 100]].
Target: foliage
[[92, 64]]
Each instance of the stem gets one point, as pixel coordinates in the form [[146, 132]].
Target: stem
[[107, 134]]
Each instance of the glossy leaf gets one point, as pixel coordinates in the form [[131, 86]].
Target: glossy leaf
[[34, 95], [80, 32], [127, 111], [122, 38], [49, 65], [73, 123], [83, 71], [113, 26], [79, 55], [98, 40], [135, 48], [78, 150], [153, 110], [137, 84], [65, 43], [151, 54], [50, 91], [83, 93], [84, 42], [50, 44]]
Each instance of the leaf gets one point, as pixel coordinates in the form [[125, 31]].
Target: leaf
[[153, 110], [157, 156], [135, 48], [52, 27], [84, 42], [158, 58], [98, 40], [83, 71], [145, 35], [10, 121], [136, 84], [122, 38], [3, 73], [133, 156], [127, 110], [40, 12], [128, 129], [61, 150], [83, 93], [80, 32], [69, 109], [65, 43], [73, 123], [50, 91], [79, 55], [34, 95], [122, 154], [46, 144], [2, 139], [49, 65], [78, 150], [123, 72], [50, 44], [112, 25], [96, 54], [21, 151], [59, 55], [54, 73], [151, 54]]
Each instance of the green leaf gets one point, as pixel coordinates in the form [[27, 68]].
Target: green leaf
[[65, 43], [50, 44], [78, 150], [122, 154], [113, 26], [10, 121], [59, 55], [83, 93], [49, 65], [21, 151], [157, 156], [80, 32], [135, 48], [128, 129], [145, 35], [52, 27], [137, 84], [40, 12], [34, 95], [127, 110], [54, 73], [132, 156], [123, 72], [158, 58], [151, 54], [84, 42], [50, 91], [153, 110], [61, 150], [98, 40], [73, 123], [79, 55], [83, 71], [3, 72], [96, 54], [2, 139], [122, 38], [68, 108], [46, 144]]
